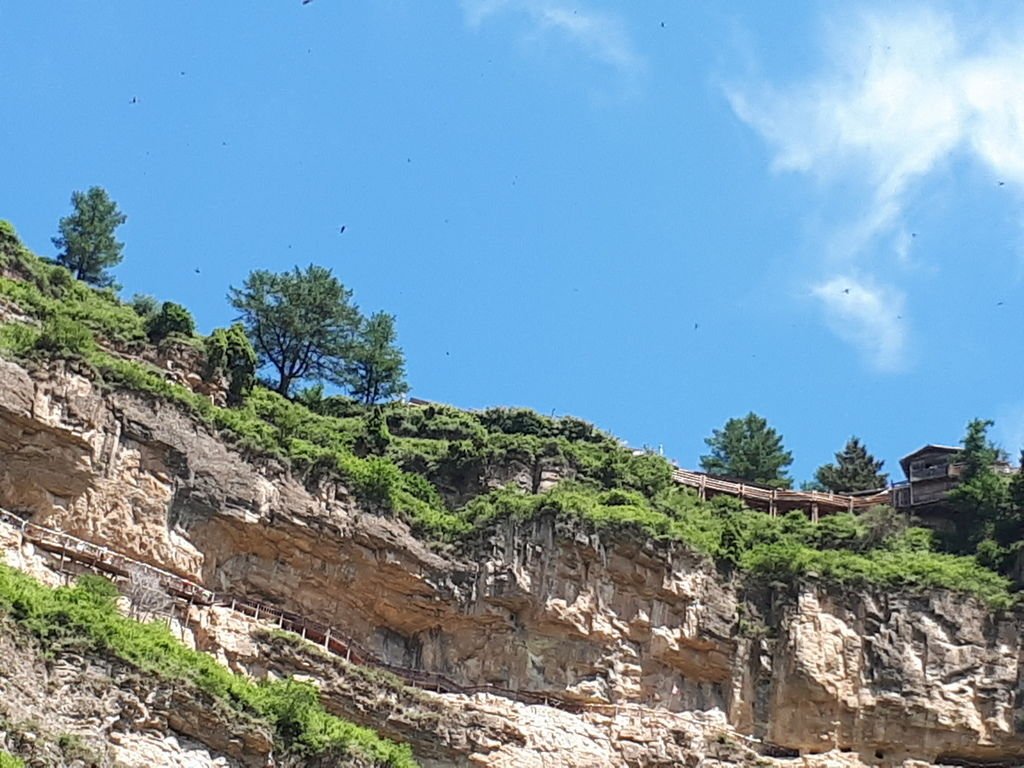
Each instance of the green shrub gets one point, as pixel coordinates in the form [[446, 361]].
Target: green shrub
[[144, 305], [229, 354], [10, 243], [84, 618], [48, 290], [63, 337], [17, 340], [55, 281], [171, 319], [8, 760]]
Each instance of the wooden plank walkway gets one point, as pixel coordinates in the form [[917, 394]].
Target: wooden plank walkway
[[70, 548], [777, 500], [100, 558]]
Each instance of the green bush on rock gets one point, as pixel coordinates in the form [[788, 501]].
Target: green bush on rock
[[84, 618]]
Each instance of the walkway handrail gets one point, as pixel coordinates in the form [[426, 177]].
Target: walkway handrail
[[780, 497], [330, 638]]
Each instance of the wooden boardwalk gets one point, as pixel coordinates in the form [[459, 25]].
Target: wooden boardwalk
[[779, 501], [102, 559], [68, 549]]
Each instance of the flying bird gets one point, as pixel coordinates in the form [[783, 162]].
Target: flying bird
[[197, 270], [134, 100], [1002, 183], [342, 230], [846, 290], [999, 303]]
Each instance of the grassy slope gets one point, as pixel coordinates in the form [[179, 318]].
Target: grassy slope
[[396, 457], [84, 618]]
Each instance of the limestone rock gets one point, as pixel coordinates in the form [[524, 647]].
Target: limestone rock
[[544, 606]]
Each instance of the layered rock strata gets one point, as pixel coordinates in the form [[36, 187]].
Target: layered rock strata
[[545, 606]]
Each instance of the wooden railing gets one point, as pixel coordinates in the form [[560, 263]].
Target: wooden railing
[[100, 558], [333, 640], [775, 500]]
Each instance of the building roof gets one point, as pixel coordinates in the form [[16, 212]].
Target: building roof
[[930, 448]]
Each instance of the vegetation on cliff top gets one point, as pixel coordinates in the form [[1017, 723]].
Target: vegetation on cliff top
[[435, 465], [84, 618]]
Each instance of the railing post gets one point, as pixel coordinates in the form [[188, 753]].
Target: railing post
[[257, 615], [327, 639]]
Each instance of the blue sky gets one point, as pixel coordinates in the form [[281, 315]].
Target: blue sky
[[654, 216]]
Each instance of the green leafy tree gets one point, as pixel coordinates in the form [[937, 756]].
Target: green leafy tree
[[229, 354], [301, 323], [855, 470], [86, 240], [374, 367], [748, 449]]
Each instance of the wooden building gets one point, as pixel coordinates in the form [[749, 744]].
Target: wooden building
[[931, 473]]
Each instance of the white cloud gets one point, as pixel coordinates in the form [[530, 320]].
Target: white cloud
[[901, 93], [868, 316], [601, 36]]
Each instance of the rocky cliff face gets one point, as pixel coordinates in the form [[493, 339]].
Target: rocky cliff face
[[72, 710], [540, 607]]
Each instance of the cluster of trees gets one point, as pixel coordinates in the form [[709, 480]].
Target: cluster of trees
[[302, 324], [748, 449], [988, 504]]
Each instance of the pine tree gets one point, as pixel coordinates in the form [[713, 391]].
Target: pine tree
[[983, 500], [300, 322], [855, 470], [373, 368], [86, 238], [748, 449]]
